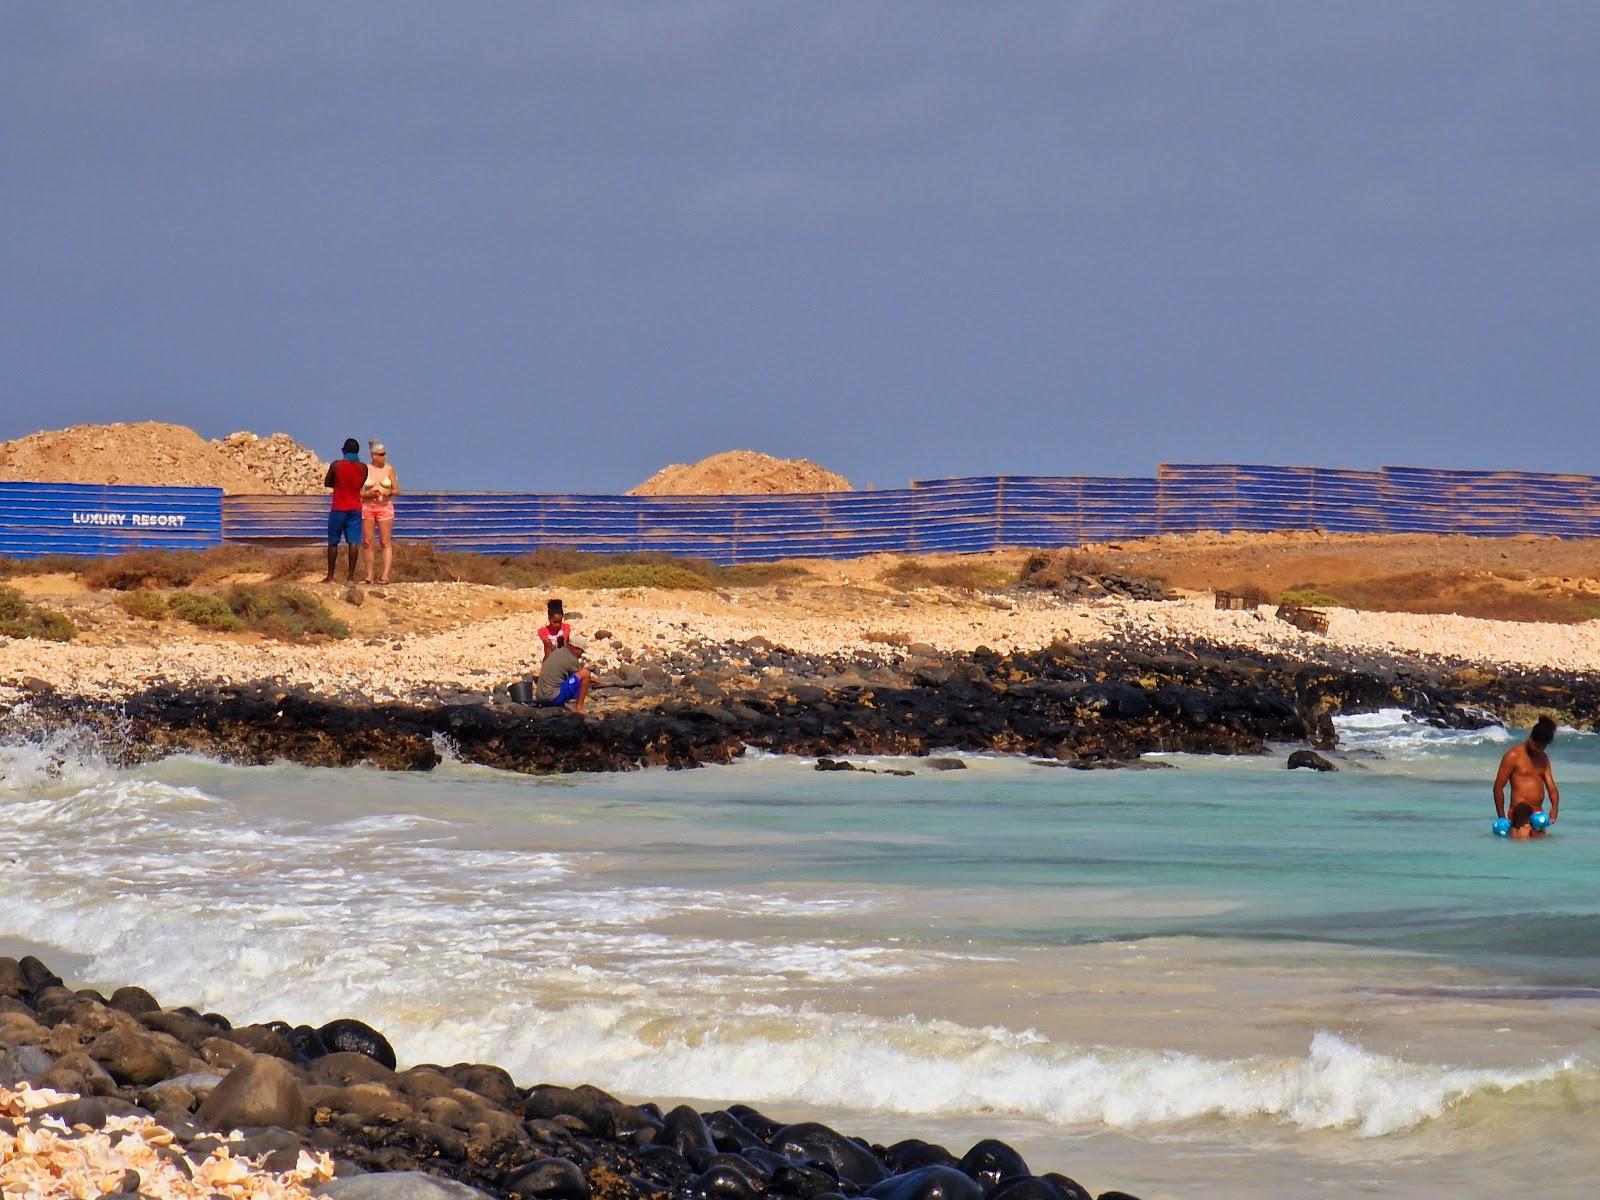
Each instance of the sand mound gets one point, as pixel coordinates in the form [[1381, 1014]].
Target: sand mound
[[149, 453], [155, 454], [287, 467], [741, 473]]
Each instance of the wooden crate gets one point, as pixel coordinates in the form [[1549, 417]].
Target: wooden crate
[[1248, 598], [1307, 619]]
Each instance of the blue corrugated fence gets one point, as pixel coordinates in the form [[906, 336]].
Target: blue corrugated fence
[[930, 516], [97, 519]]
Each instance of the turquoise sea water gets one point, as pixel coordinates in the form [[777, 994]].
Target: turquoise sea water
[[1388, 853], [1222, 979]]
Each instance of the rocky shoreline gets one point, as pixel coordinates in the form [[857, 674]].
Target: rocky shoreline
[[298, 1103], [1087, 706]]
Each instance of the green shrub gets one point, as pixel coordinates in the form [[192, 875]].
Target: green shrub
[[45, 564], [296, 564], [19, 619], [414, 562], [637, 575], [912, 573], [425, 563], [273, 609], [422, 562], [754, 574], [142, 569], [205, 610], [1311, 597], [52, 626], [169, 568], [144, 604], [281, 611], [221, 562]]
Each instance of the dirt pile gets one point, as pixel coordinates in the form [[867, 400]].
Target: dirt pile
[[148, 453], [156, 454], [741, 473], [287, 467]]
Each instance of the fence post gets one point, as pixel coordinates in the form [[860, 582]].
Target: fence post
[[914, 518]]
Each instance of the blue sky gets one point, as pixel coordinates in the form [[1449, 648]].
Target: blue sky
[[554, 247]]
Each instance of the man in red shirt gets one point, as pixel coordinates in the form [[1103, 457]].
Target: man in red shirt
[[345, 477]]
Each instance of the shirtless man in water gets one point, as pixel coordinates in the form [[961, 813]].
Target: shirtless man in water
[[1526, 767]]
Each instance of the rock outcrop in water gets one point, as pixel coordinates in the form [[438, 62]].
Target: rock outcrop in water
[[1087, 707], [437, 1131]]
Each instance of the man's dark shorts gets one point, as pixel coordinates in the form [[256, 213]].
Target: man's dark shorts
[[570, 687], [344, 524]]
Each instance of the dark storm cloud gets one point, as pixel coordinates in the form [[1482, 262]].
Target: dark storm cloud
[[555, 246]]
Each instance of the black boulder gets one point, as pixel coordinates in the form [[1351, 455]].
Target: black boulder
[[928, 1183], [990, 1161], [812, 1142], [550, 1179], [358, 1037], [914, 1152], [1309, 760]]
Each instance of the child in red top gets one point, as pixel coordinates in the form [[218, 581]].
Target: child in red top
[[555, 631]]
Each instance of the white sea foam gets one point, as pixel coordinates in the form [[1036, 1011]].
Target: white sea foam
[[937, 1068], [775, 1055], [1396, 733], [58, 764], [135, 872]]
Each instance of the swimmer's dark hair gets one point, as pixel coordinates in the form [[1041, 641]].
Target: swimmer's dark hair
[[351, 446], [552, 606], [1521, 814], [1544, 732]]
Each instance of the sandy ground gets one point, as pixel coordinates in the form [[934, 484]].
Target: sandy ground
[[1530, 568], [472, 638]]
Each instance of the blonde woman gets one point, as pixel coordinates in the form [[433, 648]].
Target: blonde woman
[[377, 510]]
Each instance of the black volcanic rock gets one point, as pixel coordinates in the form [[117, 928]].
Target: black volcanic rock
[[1089, 705], [1309, 760]]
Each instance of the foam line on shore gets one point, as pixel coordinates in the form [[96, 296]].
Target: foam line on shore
[[912, 1067]]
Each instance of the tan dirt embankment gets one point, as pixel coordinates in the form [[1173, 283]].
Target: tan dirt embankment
[[1519, 578], [147, 454], [157, 454]]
